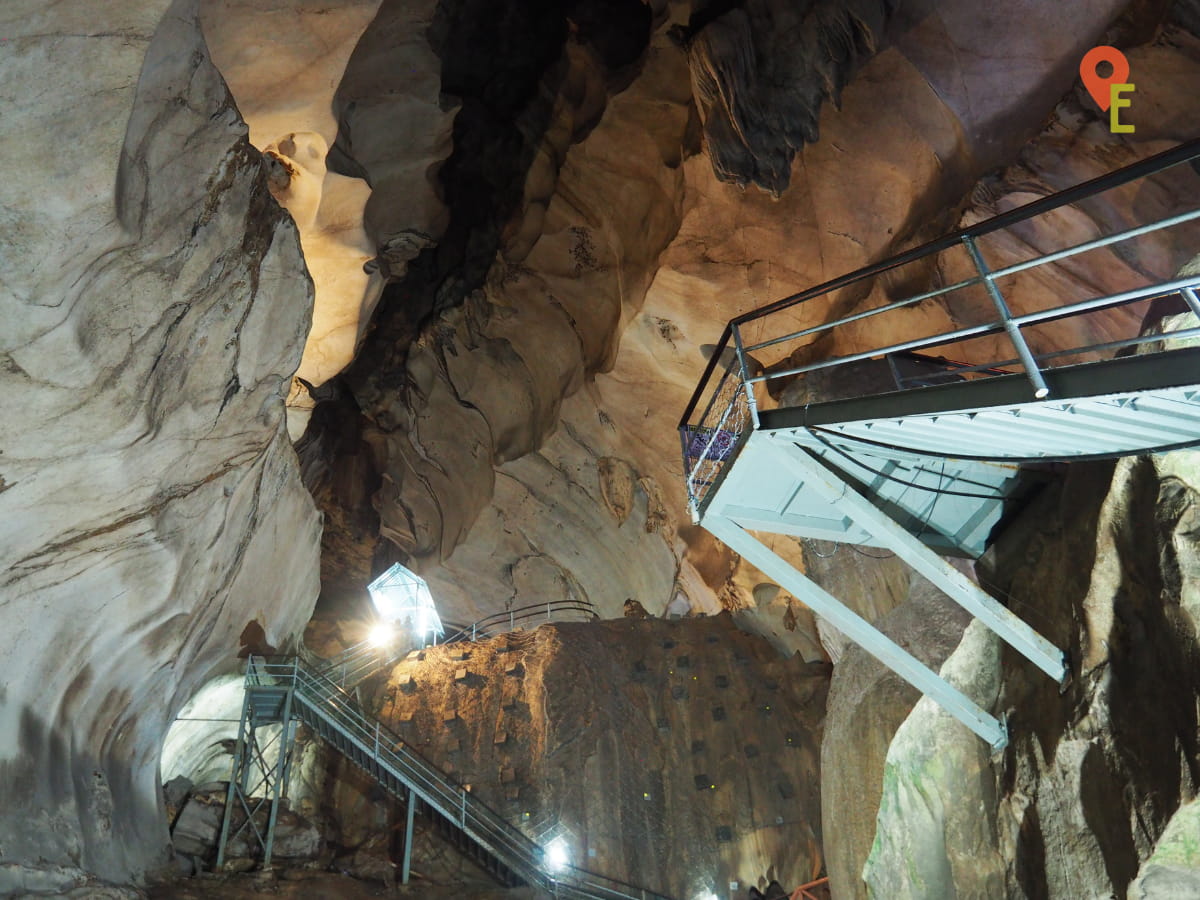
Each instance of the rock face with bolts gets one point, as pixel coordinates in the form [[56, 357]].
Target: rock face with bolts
[[611, 727]]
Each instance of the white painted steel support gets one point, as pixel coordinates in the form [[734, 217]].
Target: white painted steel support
[[1013, 630], [860, 631]]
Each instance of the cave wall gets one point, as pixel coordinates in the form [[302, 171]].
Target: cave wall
[[1093, 774], [538, 337], [155, 302]]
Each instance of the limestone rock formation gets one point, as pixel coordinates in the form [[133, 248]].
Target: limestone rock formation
[[452, 390], [761, 71], [519, 226], [150, 501], [867, 703], [677, 756], [336, 86], [1091, 779], [1173, 869]]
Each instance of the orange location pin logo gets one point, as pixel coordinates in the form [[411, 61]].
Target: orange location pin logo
[[1101, 87]]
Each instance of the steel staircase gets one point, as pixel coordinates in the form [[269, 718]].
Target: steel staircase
[[900, 446], [281, 693]]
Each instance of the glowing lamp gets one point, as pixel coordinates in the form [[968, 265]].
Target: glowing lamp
[[382, 634], [402, 598], [557, 857]]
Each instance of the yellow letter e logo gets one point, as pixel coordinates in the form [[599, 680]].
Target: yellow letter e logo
[[1116, 104]]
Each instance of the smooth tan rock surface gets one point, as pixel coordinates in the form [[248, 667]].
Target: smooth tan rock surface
[[283, 65]]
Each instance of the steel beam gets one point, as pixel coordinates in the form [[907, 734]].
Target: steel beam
[[860, 631], [278, 789], [1013, 630], [236, 778], [409, 811]]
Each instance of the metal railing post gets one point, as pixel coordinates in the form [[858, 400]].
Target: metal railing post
[[746, 385], [235, 776], [1190, 298], [1032, 371]]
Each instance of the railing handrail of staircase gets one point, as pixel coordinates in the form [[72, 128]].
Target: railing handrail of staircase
[[483, 627], [326, 700], [703, 445], [358, 661], [1182, 153]]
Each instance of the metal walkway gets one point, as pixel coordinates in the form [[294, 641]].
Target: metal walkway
[[283, 693], [903, 446]]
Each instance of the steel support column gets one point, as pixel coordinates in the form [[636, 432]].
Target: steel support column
[[237, 778], [278, 787], [409, 812], [860, 631], [257, 787], [1013, 630]]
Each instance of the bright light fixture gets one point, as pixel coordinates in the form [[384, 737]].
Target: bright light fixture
[[557, 858], [382, 634], [402, 596]]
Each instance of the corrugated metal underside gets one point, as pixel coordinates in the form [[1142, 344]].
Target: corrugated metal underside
[[1115, 424], [949, 505]]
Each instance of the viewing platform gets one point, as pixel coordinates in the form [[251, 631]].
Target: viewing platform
[[925, 444]]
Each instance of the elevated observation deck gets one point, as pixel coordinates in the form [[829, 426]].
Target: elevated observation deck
[[806, 424]]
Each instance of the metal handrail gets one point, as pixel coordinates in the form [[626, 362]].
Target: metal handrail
[[698, 470], [316, 697], [482, 628], [1184, 152], [359, 661]]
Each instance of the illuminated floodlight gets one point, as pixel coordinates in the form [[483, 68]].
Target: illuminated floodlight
[[382, 634], [557, 857], [402, 597]]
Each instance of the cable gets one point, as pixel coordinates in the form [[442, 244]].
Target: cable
[[817, 433], [855, 548], [932, 506], [836, 546]]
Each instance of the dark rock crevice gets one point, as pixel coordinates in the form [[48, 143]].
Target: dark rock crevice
[[516, 71]]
